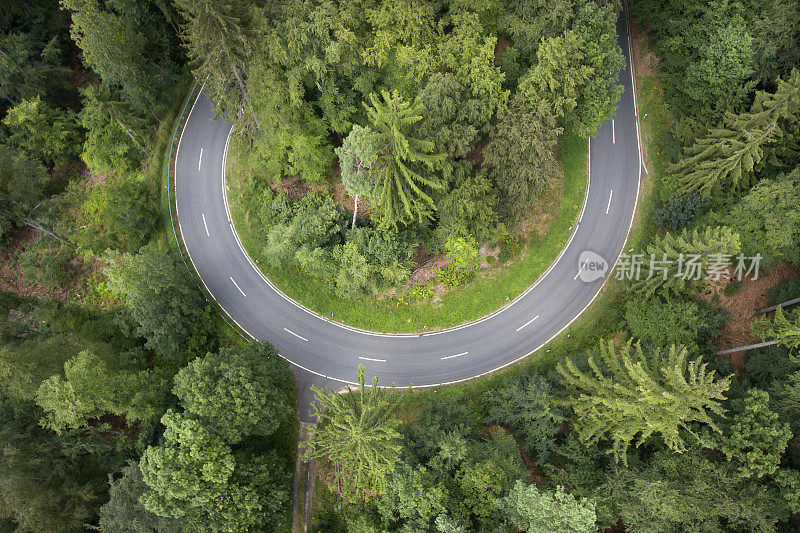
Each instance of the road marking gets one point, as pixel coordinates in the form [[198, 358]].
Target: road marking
[[199, 163], [295, 334], [613, 132], [237, 286], [371, 359], [528, 322], [205, 225], [609, 200], [452, 356], [578, 274]]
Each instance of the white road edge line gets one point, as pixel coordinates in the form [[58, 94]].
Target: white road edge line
[[200, 162], [608, 207], [452, 356], [528, 322], [295, 334], [613, 132], [372, 359], [237, 286], [205, 225]]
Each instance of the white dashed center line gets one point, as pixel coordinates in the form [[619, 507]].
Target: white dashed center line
[[613, 132], [452, 356], [609, 200], [237, 286], [200, 162], [205, 225], [372, 359], [528, 322], [295, 334]]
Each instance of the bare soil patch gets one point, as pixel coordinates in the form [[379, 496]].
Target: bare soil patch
[[645, 61], [296, 188], [743, 307], [426, 266]]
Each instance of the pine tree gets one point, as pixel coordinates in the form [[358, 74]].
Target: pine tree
[[358, 435], [629, 396], [729, 155], [405, 171], [669, 262]]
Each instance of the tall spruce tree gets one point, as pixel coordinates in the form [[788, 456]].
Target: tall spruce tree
[[730, 154], [406, 169], [358, 434], [129, 44], [521, 155], [216, 37], [628, 396]]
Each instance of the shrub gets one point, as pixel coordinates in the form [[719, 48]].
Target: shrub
[[510, 245], [452, 277], [46, 265]]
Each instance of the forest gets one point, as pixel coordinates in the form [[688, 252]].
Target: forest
[[368, 133], [443, 120]]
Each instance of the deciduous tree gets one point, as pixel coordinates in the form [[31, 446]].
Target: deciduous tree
[[165, 303], [529, 509], [237, 392], [357, 157], [783, 328], [755, 440], [190, 469]]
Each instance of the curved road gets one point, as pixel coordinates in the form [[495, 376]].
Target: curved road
[[333, 352]]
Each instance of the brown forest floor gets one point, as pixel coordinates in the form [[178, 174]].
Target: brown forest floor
[[743, 307]]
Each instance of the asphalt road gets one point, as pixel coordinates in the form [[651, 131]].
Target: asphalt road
[[329, 352]]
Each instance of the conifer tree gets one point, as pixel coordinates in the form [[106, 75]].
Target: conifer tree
[[672, 262], [629, 395], [216, 36], [358, 435], [729, 155], [521, 155], [405, 172], [784, 328]]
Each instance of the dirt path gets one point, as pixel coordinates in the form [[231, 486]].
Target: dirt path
[[303, 487]]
